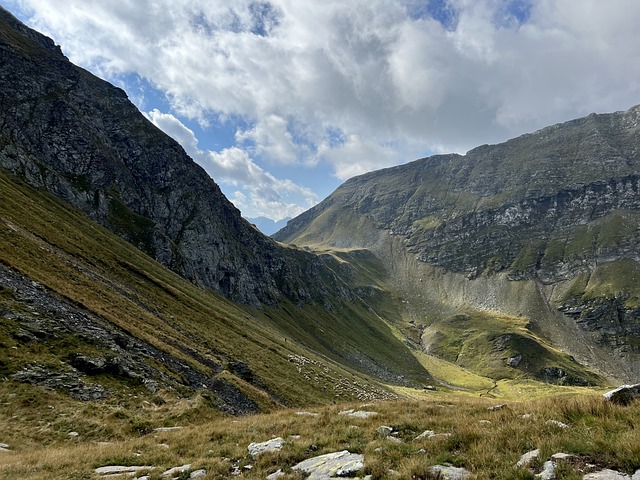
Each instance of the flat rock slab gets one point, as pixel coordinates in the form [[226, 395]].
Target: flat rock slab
[[450, 473], [358, 413], [172, 472], [331, 465], [165, 429], [623, 395], [119, 469], [608, 474], [268, 446]]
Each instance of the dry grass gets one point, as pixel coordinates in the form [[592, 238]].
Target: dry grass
[[599, 433]]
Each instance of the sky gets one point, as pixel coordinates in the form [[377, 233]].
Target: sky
[[281, 101]]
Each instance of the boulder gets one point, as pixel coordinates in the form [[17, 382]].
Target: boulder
[[275, 475], [384, 430], [447, 472], [548, 471], [426, 434], [268, 446], [624, 394], [336, 464]]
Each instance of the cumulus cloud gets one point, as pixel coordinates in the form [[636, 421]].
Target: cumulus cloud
[[398, 78], [260, 194]]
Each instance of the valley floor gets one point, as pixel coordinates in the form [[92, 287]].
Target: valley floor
[[47, 436]]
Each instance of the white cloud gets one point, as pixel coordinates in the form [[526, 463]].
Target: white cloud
[[261, 193], [395, 84]]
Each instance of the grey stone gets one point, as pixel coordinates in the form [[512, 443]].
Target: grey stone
[[277, 474], [624, 394], [336, 464], [561, 456], [268, 446], [384, 430], [607, 474], [497, 407], [548, 471], [450, 473], [176, 470], [425, 434], [120, 470], [358, 413], [527, 458]]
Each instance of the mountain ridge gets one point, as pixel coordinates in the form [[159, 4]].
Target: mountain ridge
[[556, 209], [69, 133]]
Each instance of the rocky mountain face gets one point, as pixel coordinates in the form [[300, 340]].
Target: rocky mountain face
[[69, 133], [80, 138], [554, 213]]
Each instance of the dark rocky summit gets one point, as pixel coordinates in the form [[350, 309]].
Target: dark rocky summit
[[80, 138]]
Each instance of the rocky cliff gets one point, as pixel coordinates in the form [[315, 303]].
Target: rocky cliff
[[69, 133], [557, 209], [79, 137]]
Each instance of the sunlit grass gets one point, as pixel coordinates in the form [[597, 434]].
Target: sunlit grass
[[488, 443]]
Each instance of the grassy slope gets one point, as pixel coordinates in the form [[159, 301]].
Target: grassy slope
[[59, 248]]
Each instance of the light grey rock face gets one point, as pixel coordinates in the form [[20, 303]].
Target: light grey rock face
[[527, 458], [268, 446], [624, 394], [337, 464], [451, 473]]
